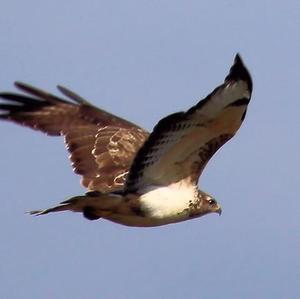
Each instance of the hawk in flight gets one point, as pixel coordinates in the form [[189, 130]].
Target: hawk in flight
[[134, 177]]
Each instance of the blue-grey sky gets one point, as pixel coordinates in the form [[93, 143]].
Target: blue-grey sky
[[143, 60]]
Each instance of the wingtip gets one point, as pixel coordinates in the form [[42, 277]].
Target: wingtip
[[72, 95], [35, 212], [16, 83], [27, 88], [238, 71], [238, 59], [20, 85]]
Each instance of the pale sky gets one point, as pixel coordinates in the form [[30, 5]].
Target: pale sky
[[143, 60]]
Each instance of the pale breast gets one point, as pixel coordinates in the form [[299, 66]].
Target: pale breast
[[167, 202]]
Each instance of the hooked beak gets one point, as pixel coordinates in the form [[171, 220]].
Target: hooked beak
[[219, 211]]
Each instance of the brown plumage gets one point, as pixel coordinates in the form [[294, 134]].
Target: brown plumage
[[134, 178], [101, 145]]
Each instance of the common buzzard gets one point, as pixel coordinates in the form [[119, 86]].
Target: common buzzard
[[133, 177]]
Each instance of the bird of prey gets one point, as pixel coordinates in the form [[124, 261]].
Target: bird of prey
[[132, 177]]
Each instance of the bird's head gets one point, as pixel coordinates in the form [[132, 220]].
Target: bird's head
[[208, 204]]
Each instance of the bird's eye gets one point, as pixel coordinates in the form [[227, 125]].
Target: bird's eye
[[212, 202]]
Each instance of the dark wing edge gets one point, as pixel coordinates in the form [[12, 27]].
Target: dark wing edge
[[38, 110], [178, 127], [92, 136], [238, 71]]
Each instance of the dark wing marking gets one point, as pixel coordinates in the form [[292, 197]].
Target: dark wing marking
[[182, 143], [92, 135], [38, 112]]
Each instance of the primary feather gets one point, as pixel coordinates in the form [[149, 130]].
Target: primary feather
[[133, 177]]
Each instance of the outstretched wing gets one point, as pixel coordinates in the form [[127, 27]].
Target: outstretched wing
[[182, 143], [102, 145]]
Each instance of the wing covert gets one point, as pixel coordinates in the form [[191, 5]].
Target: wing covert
[[182, 143]]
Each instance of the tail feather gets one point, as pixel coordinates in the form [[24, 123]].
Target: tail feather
[[74, 204], [58, 208], [92, 207]]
